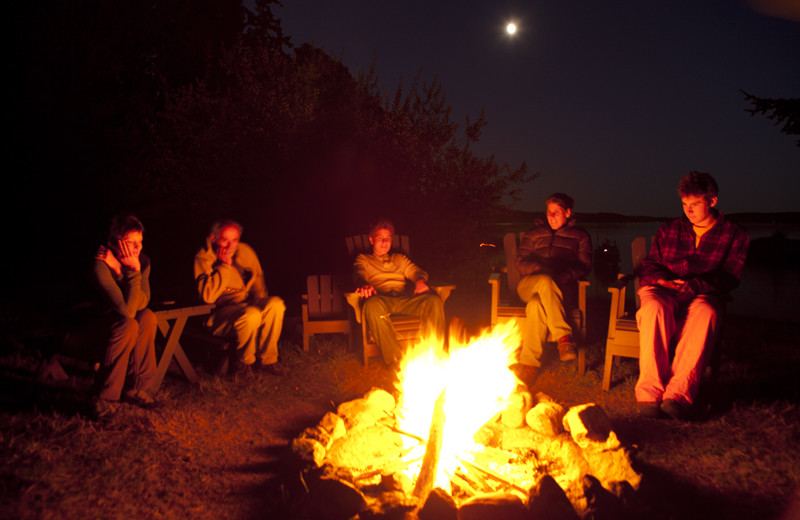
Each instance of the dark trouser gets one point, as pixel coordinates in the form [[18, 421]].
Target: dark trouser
[[427, 306], [130, 351]]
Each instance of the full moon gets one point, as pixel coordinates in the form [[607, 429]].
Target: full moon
[[511, 28]]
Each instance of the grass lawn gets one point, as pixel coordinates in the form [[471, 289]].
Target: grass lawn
[[218, 449]]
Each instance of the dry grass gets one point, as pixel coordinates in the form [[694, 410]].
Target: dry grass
[[219, 449]]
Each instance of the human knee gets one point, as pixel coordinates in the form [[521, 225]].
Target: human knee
[[276, 304], [432, 303], [531, 285], [250, 319], [374, 306], [147, 320], [704, 309]]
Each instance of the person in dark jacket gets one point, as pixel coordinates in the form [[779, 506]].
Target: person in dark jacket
[[552, 257]]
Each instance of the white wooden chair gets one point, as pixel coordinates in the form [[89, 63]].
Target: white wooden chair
[[406, 327], [324, 309]]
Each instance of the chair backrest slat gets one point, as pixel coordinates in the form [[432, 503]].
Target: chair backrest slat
[[510, 246], [314, 302], [325, 296]]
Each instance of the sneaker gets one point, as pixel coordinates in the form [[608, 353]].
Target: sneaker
[[649, 409], [275, 369], [675, 409], [104, 408], [566, 351], [140, 398]]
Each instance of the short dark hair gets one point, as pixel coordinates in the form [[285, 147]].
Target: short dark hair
[[221, 224], [121, 225], [381, 224], [562, 199], [698, 183]]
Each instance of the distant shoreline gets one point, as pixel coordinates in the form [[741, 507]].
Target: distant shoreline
[[784, 217]]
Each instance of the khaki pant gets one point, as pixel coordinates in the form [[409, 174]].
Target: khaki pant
[[544, 312], [257, 330], [662, 321]]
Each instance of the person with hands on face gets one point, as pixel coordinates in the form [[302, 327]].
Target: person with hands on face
[[122, 276], [551, 258], [381, 279], [693, 264], [227, 273]]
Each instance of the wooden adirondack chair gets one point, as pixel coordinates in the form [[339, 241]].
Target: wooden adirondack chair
[[407, 327], [507, 307], [623, 334], [324, 309]]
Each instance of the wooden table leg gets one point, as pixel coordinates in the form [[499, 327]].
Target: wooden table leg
[[173, 348]]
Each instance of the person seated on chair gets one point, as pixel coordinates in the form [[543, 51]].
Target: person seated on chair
[[227, 273], [128, 328], [693, 264], [551, 258], [381, 279]]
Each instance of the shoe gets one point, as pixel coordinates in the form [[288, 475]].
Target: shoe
[[242, 369], [527, 374], [650, 409], [140, 398], [566, 352], [275, 369], [104, 408], [675, 409]]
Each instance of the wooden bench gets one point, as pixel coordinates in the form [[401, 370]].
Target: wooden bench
[[171, 321]]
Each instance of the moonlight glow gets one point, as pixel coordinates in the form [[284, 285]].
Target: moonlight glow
[[511, 28]]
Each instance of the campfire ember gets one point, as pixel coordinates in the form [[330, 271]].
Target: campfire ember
[[463, 435]]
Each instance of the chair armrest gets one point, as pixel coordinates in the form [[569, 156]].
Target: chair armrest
[[443, 291], [354, 299], [620, 282]]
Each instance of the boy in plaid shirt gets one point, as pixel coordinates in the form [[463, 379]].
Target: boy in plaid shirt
[[694, 263]]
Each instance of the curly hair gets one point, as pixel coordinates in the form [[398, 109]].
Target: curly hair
[[698, 183]]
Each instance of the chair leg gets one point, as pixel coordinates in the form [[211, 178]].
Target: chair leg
[[581, 359], [607, 371], [306, 335]]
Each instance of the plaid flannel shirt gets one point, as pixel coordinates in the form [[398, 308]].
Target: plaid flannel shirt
[[713, 267]]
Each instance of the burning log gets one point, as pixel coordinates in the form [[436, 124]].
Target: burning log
[[430, 461], [392, 467], [493, 474]]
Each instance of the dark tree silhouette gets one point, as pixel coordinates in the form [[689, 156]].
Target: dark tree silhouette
[[782, 111]]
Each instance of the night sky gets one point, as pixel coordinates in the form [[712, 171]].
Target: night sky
[[611, 101]]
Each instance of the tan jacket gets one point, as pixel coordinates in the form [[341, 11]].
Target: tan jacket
[[223, 284]]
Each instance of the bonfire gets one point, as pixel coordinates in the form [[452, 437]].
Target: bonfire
[[460, 432]]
